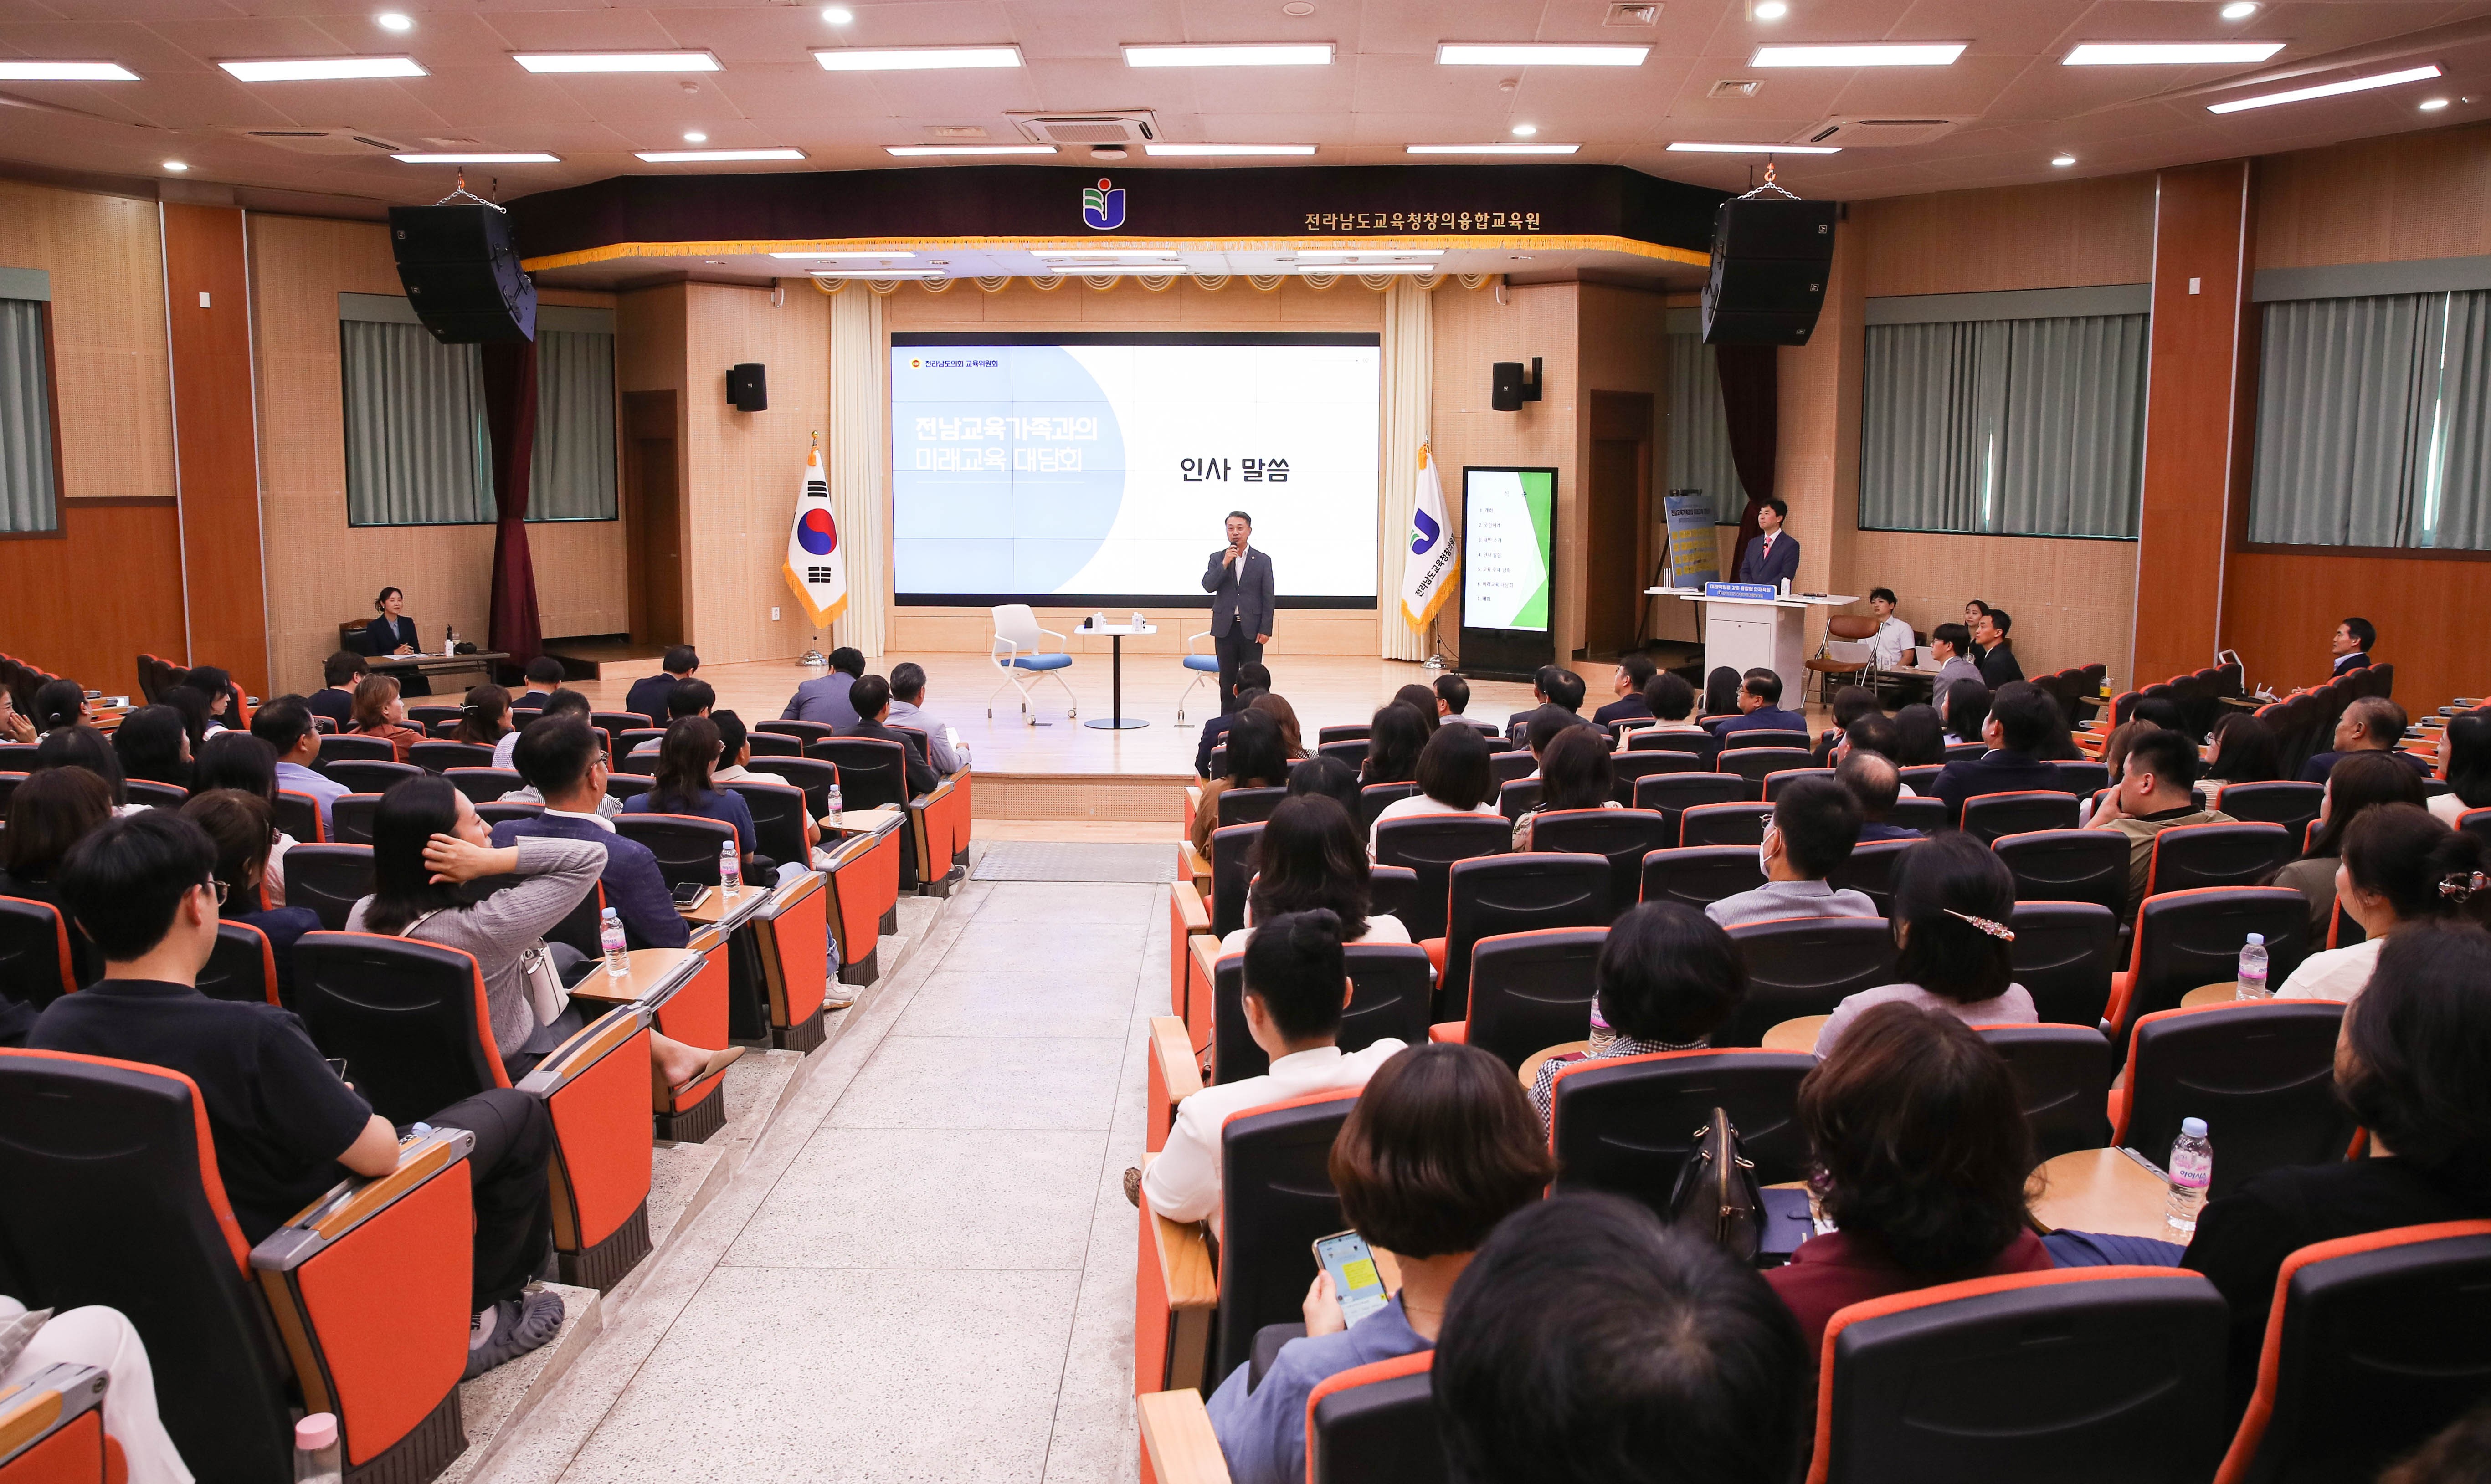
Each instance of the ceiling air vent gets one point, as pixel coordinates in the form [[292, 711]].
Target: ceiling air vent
[[957, 132], [1869, 133], [322, 141], [1737, 87], [1632, 14], [1117, 128]]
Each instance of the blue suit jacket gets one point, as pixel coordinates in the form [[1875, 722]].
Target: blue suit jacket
[[1761, 566], [1997, 771], [633, 888], [1764, 718]]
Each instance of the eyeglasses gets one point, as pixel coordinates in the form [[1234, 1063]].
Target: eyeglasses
[[218, 890]]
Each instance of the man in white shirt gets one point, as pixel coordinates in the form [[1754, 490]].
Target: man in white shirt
[[285, 726], [1893, 637], [1296, 988], [908, 710]]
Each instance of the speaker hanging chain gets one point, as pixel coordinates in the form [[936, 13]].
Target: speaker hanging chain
[[462, 191], [1771, 184]]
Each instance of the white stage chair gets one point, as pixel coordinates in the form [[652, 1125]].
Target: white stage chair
[[1202, 665], [1017, 652]]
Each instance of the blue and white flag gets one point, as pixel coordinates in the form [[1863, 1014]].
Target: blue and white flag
[[1427, 572]]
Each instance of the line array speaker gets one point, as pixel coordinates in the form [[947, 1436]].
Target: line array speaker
[[462, 272], [1771, 260]]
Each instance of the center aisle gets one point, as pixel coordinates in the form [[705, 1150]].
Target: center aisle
[[925, 1269]]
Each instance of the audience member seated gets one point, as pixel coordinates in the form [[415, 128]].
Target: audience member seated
[[1965, 705], [564, 759], [908, 710], [563, 703], [2464, 763], [2361, 780], [871, 698], [1952, 899], [1667, 978], [2152, 795], [1815, 824], [224, 698], [543, 675], [683, 786], [1293, 745], [381, 711], [153, 744], [691, 698], [1550, 685], [1308, 857], [1893, 635], [1875, 784], [1419, 699], [50, 813], [2369, 724], [103, 1338], [428, 843], [1574, 773], [648, 695], [1947, 647], [1921, 1148], [1850, 704], [1253, 681], [14, 726], [2114, 757], [1296, 987], [1760, 707], [483, 717], [1919, 737], [1588, 1344], [1998, 662], [285, 726], [1454, 700], [2019, 719], [2401, 868], [1439, 1149], [1454, 778], [1392, 744], [1974, 611], [1671, 700], [2058, 743], [1254, 761], [1634, 672], [824, 699], [192, 705], [2458, 1454], [1330, 777], [1721, 693], [1875, 732], [237, 825], [2350, 650], [61, 703], [2244, 750], [285, 1128], [343, 672], [85, 747], [237, 760]]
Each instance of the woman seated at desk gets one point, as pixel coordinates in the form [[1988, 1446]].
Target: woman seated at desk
[[391, 635]]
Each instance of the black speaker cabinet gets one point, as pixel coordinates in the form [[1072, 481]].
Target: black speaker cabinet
[[462, 275], [747, 387], [1770, 259], [1509, 387]]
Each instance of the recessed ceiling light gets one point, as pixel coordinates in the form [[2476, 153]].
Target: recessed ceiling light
[[712, 157], [1863, 54], [914, 151], [838, 14], [1229, 148], [1535, 54], [696, 137], [478, 160], [617, 60], [2327, 90], [2432, 104], [1259, 54], [2063, 160], [1490, 149], [877, 256], [1380, 255], [2240, 10], [1714, 147], [1525, 130], [20, 70], [2167, 53], [1091, 253], [1771, 10], [1298, 8], [321, 69], [391, 21], [915, 59], [176, 166]]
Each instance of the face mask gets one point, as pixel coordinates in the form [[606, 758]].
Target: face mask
[[1765, 862]]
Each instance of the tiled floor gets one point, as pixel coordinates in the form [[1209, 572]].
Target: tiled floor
[[925, 1270]]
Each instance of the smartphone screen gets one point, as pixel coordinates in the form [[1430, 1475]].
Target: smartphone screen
[[689, 893], [1354, 1280]]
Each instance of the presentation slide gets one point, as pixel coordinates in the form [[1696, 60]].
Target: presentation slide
[[1082, 468], [1508, 528]]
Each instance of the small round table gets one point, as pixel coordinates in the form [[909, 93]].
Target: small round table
[[2211, 994], [1795, 1034], [1530, 1072], [1116, 720]]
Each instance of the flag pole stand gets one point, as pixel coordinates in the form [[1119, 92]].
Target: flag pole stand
[[811, 658], [1439, 659]]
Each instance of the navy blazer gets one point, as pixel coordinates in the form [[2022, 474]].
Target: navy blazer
[[1214, 732], [1761, 566], [1240, 599], [1764, 718], [648, 695], [1997, 771], [633, 886], [384, 638], [2352, 662]]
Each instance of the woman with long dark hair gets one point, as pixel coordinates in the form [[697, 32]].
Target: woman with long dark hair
[[1392, 745], [1919, 736], [1574, 773], [61, 703], [1419, 699], [1721, 693], [1967, 706], [2465, 765], [484, 718], [154, 743], [1453, 777], [49, 812], [1309, 855], [1256, 759], [239, 824], [240, 761], [1293, 743], [224, 699], [2401, 867], [2359, 782], [85, 747], [686, 757], [2245, 751]]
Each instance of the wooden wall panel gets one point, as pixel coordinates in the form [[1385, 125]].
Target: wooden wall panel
[[2377, 200], [1473, 331], [2060, 235], [2072, 600], [207, 323], [1620, 349], [2280, 609], [85, 602]]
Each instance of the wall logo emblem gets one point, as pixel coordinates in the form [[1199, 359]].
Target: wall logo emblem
[[1103, 207]]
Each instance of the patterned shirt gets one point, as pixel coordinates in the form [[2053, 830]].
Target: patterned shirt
[[1542, 1085]]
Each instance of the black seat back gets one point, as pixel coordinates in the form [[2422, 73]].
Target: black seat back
[[35, 963], [2082, 776], [579, 928], [442, 756], [1724, 824], [1351, 751], [1921, 814], [1276, 1198], [371, 776], [1514, 893], [350, 819], [1756, 763], [772, 744], [2261, 1073], [614, 724], [1389, 889], [872, 772], [809, 773], [2063, 1075], [1805, 966], [2067, 865], [241, 967], [497, 811], [1628, 769], [685, 845], [1775, 782], [805, 732], [1248, 806], [1389, 985], [1624, 1124], [409, 1018], [1328, 735], [778, 818], [296, 814], [328, 879], [1699, 875], [349, 747], [1746, 738], [482, 784], [1988, 816], [1376, 1424], [1671, 794], [1374, 798], [1506, 767], [1869, 870], [2064, 954], [1517, 798], [2293, 806], [1625, 837], [1701, 745], [1429, 845], [1232, 868], [2193, 856], [155, 795], [1530, 991], [2186, 939]]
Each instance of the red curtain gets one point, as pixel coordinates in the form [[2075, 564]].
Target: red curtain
[[510, 419], [1751, 404]]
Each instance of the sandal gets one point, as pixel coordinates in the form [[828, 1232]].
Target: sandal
[[718, 1060]]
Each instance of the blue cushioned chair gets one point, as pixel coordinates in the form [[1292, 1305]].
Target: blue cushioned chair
[[1204, 666], [1017, 653]]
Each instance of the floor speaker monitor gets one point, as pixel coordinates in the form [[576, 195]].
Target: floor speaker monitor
[[462, 275], [1770, 259]]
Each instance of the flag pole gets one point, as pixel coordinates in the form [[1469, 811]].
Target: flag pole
[[811, 658]]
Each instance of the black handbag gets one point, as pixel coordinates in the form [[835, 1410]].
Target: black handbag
[[1717, 1195]]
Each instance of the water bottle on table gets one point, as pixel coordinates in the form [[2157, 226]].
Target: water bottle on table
[[316, 1450], [730, 869], [2252, 979], [612, 940], [2192, 1171], [838, 805]]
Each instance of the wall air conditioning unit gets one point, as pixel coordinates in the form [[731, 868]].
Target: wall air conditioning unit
[[321, 142], [1876, 133], [1089, 129]]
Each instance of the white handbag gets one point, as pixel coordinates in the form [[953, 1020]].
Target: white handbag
[[547, 997]]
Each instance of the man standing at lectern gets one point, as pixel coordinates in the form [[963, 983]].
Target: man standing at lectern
[[1773, 556], [1238, 581]]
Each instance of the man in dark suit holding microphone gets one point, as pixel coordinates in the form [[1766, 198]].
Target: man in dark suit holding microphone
[[1772, 557], [1239, 580]]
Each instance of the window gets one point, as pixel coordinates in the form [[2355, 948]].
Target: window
[[2009, 426], [1699, 431], [2374, 422], [29, 494]]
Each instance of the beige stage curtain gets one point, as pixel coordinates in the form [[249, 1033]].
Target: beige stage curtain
[[854, 460], [1409, 382]]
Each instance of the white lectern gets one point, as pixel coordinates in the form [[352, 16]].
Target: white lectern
[[1759, 634]]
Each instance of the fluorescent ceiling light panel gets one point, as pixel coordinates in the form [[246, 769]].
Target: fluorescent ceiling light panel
[[22, 71], [1052, 253], [2327, 90], [1352, 254], [1229, 148], [913, 151], [880, 273], [876, 256], [1490, 149], [2167, 53], [1255, 54], [1716, 148], [713, 156], [1863, 54], [616, 61], [320, 68], [1535, 54], [478, 160], [915, 59], [1366, 267]]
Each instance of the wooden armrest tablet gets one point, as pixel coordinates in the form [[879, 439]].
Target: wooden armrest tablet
[[1188, 903], [585, 1050], [1176, 1435], [1187, 1275], [51, 1398], [1172, 1049], [350, 1203]]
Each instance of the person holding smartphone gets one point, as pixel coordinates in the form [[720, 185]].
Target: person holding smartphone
[[1441, 1146]]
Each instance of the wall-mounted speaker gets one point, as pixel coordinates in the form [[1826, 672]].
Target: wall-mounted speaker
[[1509, 387], [462, 275], [747, 387], [1770, 259]]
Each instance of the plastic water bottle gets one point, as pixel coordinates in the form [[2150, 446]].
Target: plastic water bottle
[[1601, 1036], [617, 948], [2252, 980], [2193, 1170], [730, 868], [316, 1450], [838, 805], [449, 645]]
